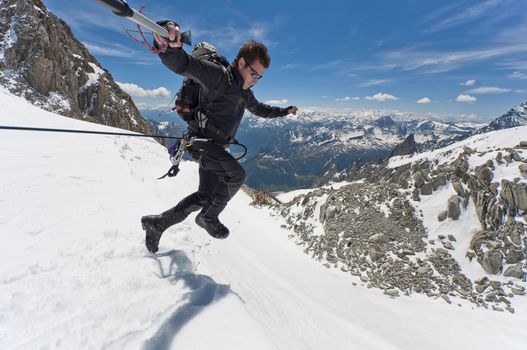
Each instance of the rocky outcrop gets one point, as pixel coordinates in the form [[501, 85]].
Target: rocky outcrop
[[41, 60], [372, 230], [407, 147]]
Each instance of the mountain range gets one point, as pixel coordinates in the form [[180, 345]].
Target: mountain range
[[296, 151]]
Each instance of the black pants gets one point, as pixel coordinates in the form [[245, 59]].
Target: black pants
[[220, 177]]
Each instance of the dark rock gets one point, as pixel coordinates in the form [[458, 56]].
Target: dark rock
[[514, 194], [331, 258], [379, 238], [407, 147], [480, 288], [523, 169], [520, 196], [425, 270], [514, 256], [419, 179], [496, 308], [496, 285], [426, 189], [441, 251], [492, 261], [458, 187], [482, 280], [392, 292], [518, 291], [484, 175], [442, 216], [494, 188], [364, 278], [454, 210], [448, 245], [515, 271], [438, 181], [446, 298], [376, 254], [468, 150]]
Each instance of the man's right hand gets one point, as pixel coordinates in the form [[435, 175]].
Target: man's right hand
[[174, 36]]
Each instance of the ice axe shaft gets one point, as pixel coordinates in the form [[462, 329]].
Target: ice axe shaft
[[121, 8]]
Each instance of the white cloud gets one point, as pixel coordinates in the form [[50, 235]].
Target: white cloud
[[348, 98], [424, 100], [375, 82], [277, 102], [115, 51], [137, 91], [381, 97], [517, 75], [466, 98], [231, 35], [468, 83], [470, 117], [467, 15], [432, 61], [293, 65], [488, 90]]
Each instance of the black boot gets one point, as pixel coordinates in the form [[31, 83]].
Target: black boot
[[155, 225], [213, 226]]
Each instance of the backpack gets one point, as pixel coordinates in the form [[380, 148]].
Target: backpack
[[188, 98]]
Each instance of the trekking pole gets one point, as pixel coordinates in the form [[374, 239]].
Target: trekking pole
[[121, 8]]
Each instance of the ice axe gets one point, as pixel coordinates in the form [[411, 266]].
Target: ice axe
[[121, 8]]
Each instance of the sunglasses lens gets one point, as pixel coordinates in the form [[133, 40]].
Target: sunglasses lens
[[254, 73]]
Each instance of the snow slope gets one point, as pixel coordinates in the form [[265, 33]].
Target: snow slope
[[74, 273]]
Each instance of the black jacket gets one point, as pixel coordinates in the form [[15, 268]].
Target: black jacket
[[227, 110]]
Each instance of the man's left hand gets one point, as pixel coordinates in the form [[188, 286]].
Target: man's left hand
[[292, 110]]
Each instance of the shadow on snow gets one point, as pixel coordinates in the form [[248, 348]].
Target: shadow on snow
[[203, 292]]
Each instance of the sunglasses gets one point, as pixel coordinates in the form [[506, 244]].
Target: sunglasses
[[254, 73]]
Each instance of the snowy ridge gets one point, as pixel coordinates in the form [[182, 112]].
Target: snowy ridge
[[74, 273], [517, 116], [491, 141]]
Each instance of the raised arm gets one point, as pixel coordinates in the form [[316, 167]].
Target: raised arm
[[209, 75], [265, 111]]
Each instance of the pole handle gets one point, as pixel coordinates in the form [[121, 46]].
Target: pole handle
[[121, 8]]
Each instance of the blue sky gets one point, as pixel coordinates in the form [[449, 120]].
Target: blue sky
[[456, 59]]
